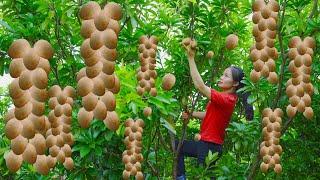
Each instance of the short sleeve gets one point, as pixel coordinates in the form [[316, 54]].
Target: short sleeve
[[222, 98]]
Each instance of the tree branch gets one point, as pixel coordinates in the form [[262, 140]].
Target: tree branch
[[283, 56]]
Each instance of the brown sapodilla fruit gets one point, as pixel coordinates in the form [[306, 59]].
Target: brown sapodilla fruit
[[108, 67], [13, 161], [45, 65], [101, 20], [100, 111], [39, 78], [67, 150], [126, 174], [84, 118], [60, 141], [95, 70], [302, 49], [271, 65], [112, 121], [258, 5], [294, 42], [58, 111], [98, 86], [16, 67], [51, 161], [309, 42], [39, 143], [22, 100], [41, 165], [43, 49], [255, 76], [62, 98], [89, 101], [51, 140], [13, 128], [153, 92], [69, 91], [291, 111], [116, 88], [109, 80], [210, 54], [168, 81], [271, 24], [186, 41], [67, 109], [84, 86], [109, 100], [266, 12], [277, 168], [19, 144], [291, 90], [68, 163], [262, 25], [108, 54], [265, 71], [301, 106], [307, 100], [54, 91], [23, 112], [294, 100], [140, 90], [114, 9], [307, 60], [259, 36], [18, 48], [92, 60], [147, 111], [9, 115], [25, 80], [14, 90], [97, 39], [89, 10], [273, 78], [256, 16], [258, 65], [143, 39], [273, 5], [28, 130], [111, 39], [30, 154], [85, 50], [54, 150], [114, 25], [308, 113]]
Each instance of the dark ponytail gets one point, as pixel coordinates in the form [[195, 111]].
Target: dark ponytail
[[237, 75]]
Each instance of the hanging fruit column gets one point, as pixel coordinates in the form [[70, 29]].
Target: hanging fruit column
[[97, 82]]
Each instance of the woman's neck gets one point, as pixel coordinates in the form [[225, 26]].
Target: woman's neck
[[229, 91]]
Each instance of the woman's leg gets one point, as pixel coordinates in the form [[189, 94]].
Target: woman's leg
[[203, 150], [189, 149]]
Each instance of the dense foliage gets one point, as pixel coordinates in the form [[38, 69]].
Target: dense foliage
[[97, 151]]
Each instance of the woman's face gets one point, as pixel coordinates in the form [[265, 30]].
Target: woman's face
[[226, 81]]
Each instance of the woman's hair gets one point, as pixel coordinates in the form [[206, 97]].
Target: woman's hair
[[237, 75]]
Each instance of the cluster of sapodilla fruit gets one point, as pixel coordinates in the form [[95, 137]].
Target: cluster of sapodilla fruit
[[299, 87], [26, 124], [263, 53], [132, 157], [270, 149], [97, 82], [59, 138], [146, 73]]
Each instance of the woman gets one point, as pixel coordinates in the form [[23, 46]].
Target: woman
[[215, 119]]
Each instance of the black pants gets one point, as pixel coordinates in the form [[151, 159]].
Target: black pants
[[197, 149]]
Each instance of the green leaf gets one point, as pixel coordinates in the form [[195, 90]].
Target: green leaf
[[167, 125], [84, 151]]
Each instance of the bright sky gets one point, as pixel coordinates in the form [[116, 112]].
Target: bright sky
[[5, 80]]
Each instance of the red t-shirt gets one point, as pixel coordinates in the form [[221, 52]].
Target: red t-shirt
[[218, 114]]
